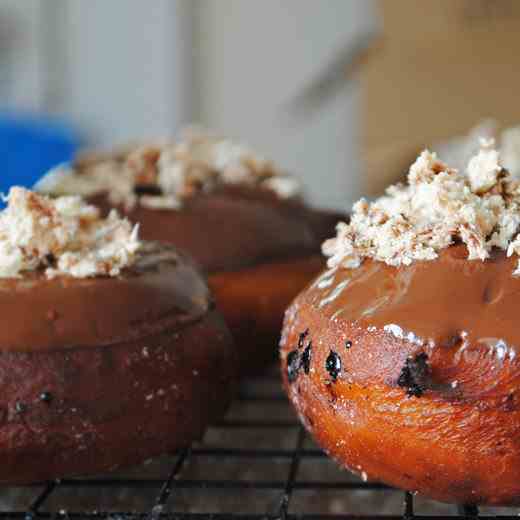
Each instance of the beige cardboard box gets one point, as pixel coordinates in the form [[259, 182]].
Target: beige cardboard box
[[439, 68]]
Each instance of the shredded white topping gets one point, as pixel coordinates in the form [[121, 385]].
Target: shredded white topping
[[438, 206], [198, 163], [457, 151], [62, 236]]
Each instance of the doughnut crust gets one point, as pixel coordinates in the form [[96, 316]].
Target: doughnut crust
[[106, 372], [255, 319], [411, 375]]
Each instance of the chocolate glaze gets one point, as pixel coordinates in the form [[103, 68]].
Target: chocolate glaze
[[446, 302], [162, 290], [462, 314], [235, 227]]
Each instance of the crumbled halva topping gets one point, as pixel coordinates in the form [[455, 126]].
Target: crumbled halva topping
[[176, 171], [62, 236], [457, 151], [104, 176], [439, 206]]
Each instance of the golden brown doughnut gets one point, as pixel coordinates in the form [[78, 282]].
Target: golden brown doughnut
[[411, 375]]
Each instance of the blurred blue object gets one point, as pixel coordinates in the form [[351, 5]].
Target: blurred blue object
[[31, 145]]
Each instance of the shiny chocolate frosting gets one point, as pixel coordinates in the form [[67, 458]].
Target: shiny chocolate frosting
[[161, 291], [235, 227], [450, 301]]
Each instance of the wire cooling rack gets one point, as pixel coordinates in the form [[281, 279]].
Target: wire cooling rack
[[257, 463]]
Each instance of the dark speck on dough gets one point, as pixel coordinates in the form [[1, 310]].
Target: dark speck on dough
[[309, 420], [332, 394], [293, 365], [348, 344], [306, 358], [333, 365], [302, 337], [46, 397], [414, 375]]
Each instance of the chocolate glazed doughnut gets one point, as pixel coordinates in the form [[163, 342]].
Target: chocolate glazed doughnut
[[411, 375], [99, 373], [258, 252]]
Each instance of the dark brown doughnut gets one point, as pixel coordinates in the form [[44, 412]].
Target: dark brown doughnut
[[106, 372]]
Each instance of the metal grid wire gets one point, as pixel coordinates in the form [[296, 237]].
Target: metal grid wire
[[258, 463]]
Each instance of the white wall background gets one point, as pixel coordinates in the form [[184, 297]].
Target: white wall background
[[20, 53], [127, 73], [134, 69], [119, 69], [256, 57]]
